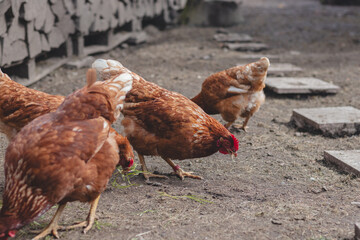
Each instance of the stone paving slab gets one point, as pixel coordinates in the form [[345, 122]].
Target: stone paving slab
[[331, 121], [243, 47], [357, 231], [292, 85], [232, 37], [348, 161], [255, 57], [279, 68]]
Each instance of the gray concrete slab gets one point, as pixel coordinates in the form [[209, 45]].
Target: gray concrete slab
[[246, 47], [292, 85], [279, 68], [348, 161], [331, 121], [255, 57], [357, 231], [232, 37]]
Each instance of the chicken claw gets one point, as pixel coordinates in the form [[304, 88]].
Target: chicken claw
[[89, 220], [53, 226], [240, 127], [182, 174], [146, 173]]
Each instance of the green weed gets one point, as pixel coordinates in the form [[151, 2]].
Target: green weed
[[191, 197]]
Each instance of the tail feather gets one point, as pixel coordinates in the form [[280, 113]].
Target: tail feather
[[90, 77]]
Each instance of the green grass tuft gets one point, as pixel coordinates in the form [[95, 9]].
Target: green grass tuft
[[191, 197]]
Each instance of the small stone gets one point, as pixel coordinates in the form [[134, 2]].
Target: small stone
[[276, 222]]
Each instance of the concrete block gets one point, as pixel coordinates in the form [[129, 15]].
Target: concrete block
[[218, 13], [291, 85], [281, 68], [331, 121], [255, 57], [348, 161], [357, 231], [246, 47], [232, 37]]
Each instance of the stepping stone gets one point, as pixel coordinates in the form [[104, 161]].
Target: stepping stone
[[348, 161], [290, 85], [280, 68], [251, 47], [357, 231], [331, 121], [256, 57], [232, 37]]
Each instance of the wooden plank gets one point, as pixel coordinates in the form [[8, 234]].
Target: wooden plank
[[38, 70], [33, 40], [3, 27], [56, 38], [16, 31], [49, 20], [66, 25], [40, 15], [4, 6], [330, 121], [15, 7], [13, 51], [348, 161], [69, 6], [292, 85], [1, 46], [58, 8]]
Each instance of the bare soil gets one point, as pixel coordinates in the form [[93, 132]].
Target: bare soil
[[279, 187]]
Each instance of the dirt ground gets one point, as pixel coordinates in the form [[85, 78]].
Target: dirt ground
[[279, 187]]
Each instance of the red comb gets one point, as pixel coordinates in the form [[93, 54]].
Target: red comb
[[12, 233], [131, 162], [236, 142]]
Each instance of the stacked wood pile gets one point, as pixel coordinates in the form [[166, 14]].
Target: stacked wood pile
[[29, 28]]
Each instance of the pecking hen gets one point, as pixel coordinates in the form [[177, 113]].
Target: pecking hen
[[20, 105], [163, 123], [64, 156], [235, 92]]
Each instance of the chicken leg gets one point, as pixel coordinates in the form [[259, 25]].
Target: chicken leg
[[244, 125], [181, 173], [146, 173], [53, 225], [89, 220]]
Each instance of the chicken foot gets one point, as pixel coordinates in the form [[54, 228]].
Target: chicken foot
[[243, 126], [179, 172], [53, 225], [146, 173], [89, 220]]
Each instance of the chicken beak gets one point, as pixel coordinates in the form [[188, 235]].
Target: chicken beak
[[233, 155]]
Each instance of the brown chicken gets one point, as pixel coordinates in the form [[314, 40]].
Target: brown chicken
[[163, 123], [235, 92], [64, 156], [20, 105]]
